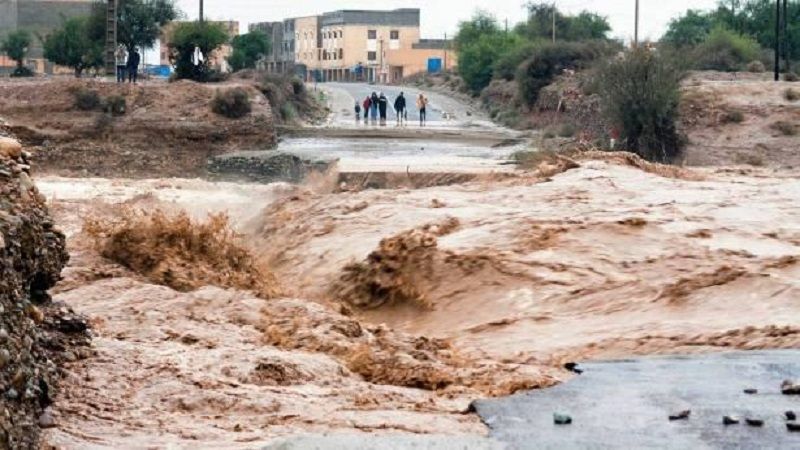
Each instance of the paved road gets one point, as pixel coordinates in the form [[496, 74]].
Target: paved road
[[442, 111], [626, 404]]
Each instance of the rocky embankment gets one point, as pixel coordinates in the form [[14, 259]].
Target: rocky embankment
[[36, 335]]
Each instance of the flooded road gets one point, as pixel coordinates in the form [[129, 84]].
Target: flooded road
[[399, 307]]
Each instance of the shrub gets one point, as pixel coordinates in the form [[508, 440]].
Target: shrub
[[288, 112], [785, 128], [21, 72], [756, 67], [725, 50], [732, 117], [640, 94], [186, 36], [233, 103], [791, 77], [550, 60], [86, 99], [791, 95], [507, 64], [115, 105]]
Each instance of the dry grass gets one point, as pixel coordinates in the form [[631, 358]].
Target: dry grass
[[179, 252]]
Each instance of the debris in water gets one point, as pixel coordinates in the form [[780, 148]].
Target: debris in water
[[573, 367], [751, 391], [793, 426], [790, 415]]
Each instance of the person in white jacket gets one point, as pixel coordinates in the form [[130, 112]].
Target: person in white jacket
[[121, 57]]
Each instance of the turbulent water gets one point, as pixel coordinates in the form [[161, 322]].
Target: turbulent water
[[519, 275]]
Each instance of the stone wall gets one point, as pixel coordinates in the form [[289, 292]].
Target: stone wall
[[266, 167]]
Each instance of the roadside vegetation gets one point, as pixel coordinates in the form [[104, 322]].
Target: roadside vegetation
[[16, 46], [575, 84]]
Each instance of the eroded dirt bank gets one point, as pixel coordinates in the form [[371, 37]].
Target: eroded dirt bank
[[165, 129], [398, 307]]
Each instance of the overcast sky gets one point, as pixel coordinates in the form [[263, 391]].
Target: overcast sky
[[442, 16]]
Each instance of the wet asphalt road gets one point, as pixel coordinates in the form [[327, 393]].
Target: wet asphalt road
[[626, 404]]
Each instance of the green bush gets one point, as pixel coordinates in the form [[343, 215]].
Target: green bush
[[186, 36], [233, 103], [86, 99], [115, 105], [726, 51], [476, 61], [507, 64], [550, 60], [640, 95]]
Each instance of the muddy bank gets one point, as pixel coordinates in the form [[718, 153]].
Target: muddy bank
[[164, 130], [36, 336]]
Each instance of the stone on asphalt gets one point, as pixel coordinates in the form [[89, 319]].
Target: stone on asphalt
[[789, 387], [561, 419], [751, 391], [790, 415], [794, 427], [683, 415], [754, 422], [730, 420]]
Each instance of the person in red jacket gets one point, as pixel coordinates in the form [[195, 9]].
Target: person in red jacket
[[367, 104]]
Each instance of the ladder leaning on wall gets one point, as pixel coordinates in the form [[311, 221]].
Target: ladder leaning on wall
[[111, 37]]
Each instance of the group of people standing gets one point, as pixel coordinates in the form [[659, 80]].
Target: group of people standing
[[127, 64], [376, 106]]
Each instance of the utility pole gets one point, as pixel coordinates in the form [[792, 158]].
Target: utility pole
[[554, 22], [446, 45], [636, 27], [201, 10], [777, 39], [786, 66]]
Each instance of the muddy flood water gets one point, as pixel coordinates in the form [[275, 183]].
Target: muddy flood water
[[397, 308]]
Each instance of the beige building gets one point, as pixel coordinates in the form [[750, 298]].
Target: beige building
[[307, 43]]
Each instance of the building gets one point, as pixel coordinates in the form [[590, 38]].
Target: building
[[358, 45], [218, 59], [40, 17], [280, 59]]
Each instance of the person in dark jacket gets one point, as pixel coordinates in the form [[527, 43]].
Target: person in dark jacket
[[367, 104], [383, 106], [358, 111], [373, 107], [133, 65], [400, 108]]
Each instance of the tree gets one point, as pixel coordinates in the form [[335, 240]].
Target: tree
[[584, 26], [186, 36], [71, 46], [16, 45], [690, 29], [139, 22], [247, 49], [469, 32], [476, 61]]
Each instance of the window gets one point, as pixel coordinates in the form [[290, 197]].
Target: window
[[372, 34], [372, 56], [394, 35], [341, 53]]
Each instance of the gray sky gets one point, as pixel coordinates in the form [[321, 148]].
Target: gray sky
[[440, 16]]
